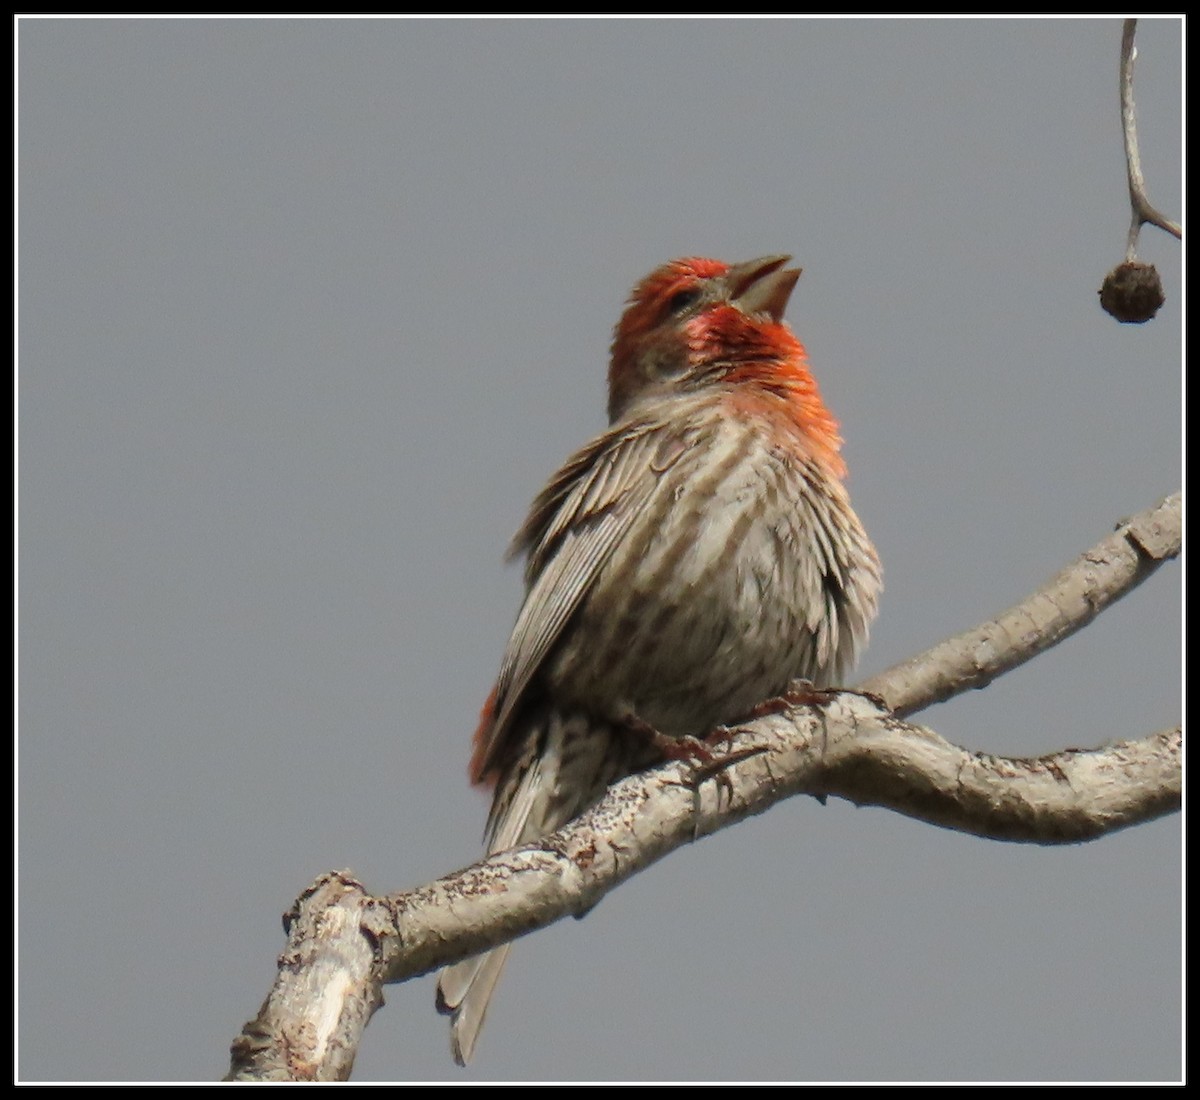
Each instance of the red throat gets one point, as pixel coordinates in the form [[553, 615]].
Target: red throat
[[768, 377]]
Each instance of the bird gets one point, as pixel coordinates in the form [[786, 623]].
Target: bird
[[690, 562]]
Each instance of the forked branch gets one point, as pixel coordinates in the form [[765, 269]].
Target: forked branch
[[345, 944]]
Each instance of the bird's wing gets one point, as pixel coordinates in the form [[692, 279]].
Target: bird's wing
[[572, 529]]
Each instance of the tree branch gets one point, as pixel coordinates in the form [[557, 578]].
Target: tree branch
[[327, 988], [848, 747], [1095, 580], [344, 944]]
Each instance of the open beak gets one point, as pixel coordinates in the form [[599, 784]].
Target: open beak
[[762, 286]]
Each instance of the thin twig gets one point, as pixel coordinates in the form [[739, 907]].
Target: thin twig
[[1142, 210]]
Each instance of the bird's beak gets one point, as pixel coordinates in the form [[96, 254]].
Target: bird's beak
[[763, 285]]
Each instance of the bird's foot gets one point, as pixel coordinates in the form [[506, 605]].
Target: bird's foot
[[799, 693], [699, 754]]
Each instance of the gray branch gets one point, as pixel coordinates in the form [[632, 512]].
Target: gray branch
[[1095, 580], [344, 944]]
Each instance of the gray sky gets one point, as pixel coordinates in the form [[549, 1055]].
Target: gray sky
[[308, 312]]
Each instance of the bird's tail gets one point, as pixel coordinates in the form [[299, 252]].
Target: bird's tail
[[564, 764], [463, 992]]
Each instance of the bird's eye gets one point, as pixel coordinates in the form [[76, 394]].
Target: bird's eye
[[681, 301]]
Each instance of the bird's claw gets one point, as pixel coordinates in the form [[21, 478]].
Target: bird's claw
[[704, 763], [798, 694]]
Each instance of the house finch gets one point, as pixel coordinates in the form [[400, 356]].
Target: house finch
[[684, 566]]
